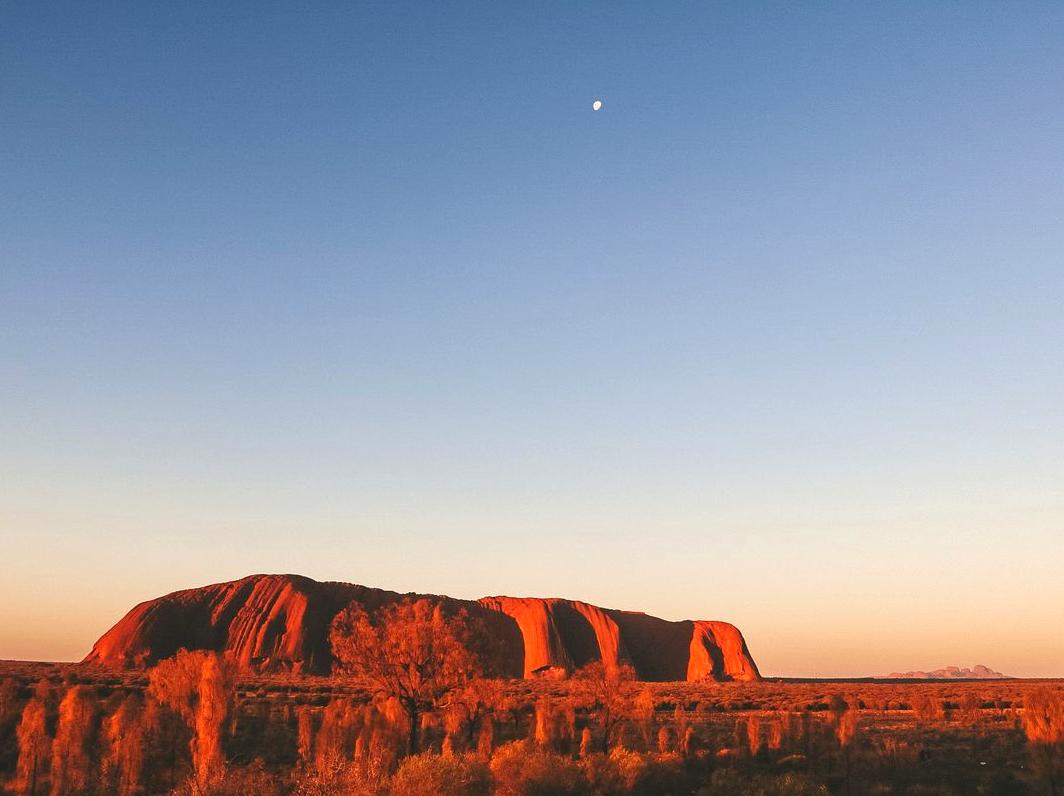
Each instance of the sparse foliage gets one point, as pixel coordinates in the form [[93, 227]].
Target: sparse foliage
[[330, 736], [1043, 724], [608, 691], [199, 687], [411, 651], [123, 755], [34, 747], [441, 775], [72, 761]]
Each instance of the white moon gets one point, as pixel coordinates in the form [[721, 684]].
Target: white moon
[[596, 105]]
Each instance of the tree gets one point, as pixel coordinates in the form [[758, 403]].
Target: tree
[[684, 733], [411, 651], [10, 712], [335, 737], [216, 691], [33, 748], [585, 742], [200, 687], [123, 758], [753, 735], [644, 714], [305, 734], [476, 704], [8, 699], [1043, 723], [71, 759], [664, 740], [544, 725], [845, 721], [166, 736], [609, 690]]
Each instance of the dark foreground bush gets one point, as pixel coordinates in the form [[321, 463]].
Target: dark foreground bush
[[626, 772], [729, 782], [522, 768], [438, 775]]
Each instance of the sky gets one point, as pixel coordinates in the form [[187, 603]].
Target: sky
[[368, 292]]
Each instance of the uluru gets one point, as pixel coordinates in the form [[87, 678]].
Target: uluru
[[281, 623]]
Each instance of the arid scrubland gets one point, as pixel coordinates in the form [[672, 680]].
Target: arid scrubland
[[412, 711], [189, 726]]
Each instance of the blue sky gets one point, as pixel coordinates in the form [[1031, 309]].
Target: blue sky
[[370, 293]]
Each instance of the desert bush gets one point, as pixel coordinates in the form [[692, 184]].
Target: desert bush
[[607, 690], [753, 735], [215, 692], [775, 734], [643, 713], [1043, 724], [729, 782], [521, 768], [34, 747], [623, 771], [253, 779], [72, 759], [199, 687], [10, 710], [304, 734], [8, 699], [438, 775], [683, 728], [167, 739], [845, 732], [928, 707], [615, 773], [341, 777], [971, 707], [123, 749], [585, 742], [544, 722], [467, 708], [335, 738], [664, 740]]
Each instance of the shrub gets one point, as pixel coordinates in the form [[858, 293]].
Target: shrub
[[200, 687], [1043, 724], [250, 780], [123, 749], [623, 771], [34, 747], [522, 769], [928, 708], [729, 782], [72, 759], [438, 775]]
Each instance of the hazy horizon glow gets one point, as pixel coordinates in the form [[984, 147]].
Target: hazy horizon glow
[[372, 294]]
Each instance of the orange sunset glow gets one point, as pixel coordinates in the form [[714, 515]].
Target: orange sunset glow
[[480, 399]]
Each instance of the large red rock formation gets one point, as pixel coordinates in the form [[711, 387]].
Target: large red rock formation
[[281, 622], [566, 634]]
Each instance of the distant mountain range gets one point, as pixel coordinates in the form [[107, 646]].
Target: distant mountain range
[[977, 672]]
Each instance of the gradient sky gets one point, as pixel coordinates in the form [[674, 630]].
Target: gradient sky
[[370, 294]]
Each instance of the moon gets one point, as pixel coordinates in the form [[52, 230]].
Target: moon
[[596, 105]]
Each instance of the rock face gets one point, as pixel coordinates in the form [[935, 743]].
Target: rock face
[[281, 623], [566, 634]]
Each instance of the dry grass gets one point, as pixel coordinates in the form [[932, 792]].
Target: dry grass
[[774, 736]]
